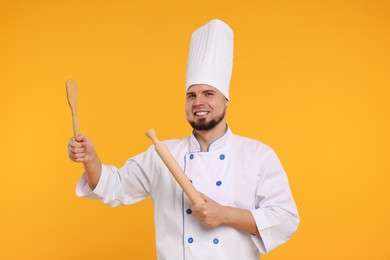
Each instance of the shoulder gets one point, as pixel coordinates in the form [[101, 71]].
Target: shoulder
[[177, 144], [250, 143], [256, 150]]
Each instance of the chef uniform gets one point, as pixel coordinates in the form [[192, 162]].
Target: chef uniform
[[235, 171]]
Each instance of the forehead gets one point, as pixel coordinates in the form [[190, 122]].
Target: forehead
[[199, 88]]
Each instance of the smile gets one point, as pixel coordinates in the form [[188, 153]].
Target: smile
[[201, 113]]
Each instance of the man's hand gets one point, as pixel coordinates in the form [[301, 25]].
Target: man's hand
[[210, 213], [81, 149], [213, 214]]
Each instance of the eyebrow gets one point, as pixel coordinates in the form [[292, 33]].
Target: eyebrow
[[203, 92]]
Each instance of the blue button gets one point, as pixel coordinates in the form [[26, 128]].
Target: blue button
[[190, 240], [189, 211], [191, 181], [218, 183], [215, 240], [222, 156], [191, 156]]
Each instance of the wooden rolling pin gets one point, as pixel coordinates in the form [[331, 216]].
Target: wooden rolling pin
[[175, 169]]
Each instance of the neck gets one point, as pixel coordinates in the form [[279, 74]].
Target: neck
[[206, 137]]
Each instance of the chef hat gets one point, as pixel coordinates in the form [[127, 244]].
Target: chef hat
[[210, 59]]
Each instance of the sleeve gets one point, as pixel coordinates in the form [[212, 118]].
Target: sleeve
[[276, 215], [124, 186]]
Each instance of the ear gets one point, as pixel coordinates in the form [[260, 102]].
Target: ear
[[226, 102]]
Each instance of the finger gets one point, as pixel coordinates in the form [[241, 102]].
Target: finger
[[80, 159], [76, 150], [72, 142], [72, 151], [205, 197], [198, 207], [75, 144], [77, 157], [77, 160], [80, 138]]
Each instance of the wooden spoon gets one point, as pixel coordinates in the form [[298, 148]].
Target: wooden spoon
[[72, 93]]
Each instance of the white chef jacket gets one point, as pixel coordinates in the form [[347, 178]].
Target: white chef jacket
[[235, 171]]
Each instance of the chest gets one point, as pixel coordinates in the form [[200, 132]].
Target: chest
[[227, 176]]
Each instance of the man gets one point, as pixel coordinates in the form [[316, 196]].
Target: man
[[248, 205]]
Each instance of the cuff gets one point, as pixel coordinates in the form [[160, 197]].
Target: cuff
[[84, 191]]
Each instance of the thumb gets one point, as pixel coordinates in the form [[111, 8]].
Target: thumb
[[204, 197], [80, 138]]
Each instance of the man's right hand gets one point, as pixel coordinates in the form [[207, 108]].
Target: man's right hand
[[81, 149]]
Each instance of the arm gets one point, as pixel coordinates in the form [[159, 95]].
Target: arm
[[81, 149], [113, 186], [274, 219], [275, 214], [241, 219]]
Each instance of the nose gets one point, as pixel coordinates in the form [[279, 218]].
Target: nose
[[199, 100]]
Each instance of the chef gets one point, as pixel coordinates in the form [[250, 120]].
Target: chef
[[248, 208]]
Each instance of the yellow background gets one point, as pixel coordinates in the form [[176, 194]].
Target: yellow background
[[311, 79]]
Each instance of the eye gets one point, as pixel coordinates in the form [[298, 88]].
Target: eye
[[209, 94], [191, 96]]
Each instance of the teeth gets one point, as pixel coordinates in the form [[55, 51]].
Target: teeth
[[201, 113]]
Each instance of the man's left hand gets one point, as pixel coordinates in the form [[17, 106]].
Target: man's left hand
[[210, 213]]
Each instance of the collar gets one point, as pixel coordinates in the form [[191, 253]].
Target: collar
[[217, 144]]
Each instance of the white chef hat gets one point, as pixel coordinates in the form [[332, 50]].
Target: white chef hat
[[210, 59]]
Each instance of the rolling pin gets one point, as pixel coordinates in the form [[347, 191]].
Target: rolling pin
[[175, 169]]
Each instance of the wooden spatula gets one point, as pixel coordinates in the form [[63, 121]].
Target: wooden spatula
[[72, 93]]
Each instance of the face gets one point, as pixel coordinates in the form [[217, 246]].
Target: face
[[205, 107]]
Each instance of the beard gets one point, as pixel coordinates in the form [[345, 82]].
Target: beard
[[204, 125]]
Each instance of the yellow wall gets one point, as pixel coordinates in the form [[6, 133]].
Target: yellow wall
[[311, 79]]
